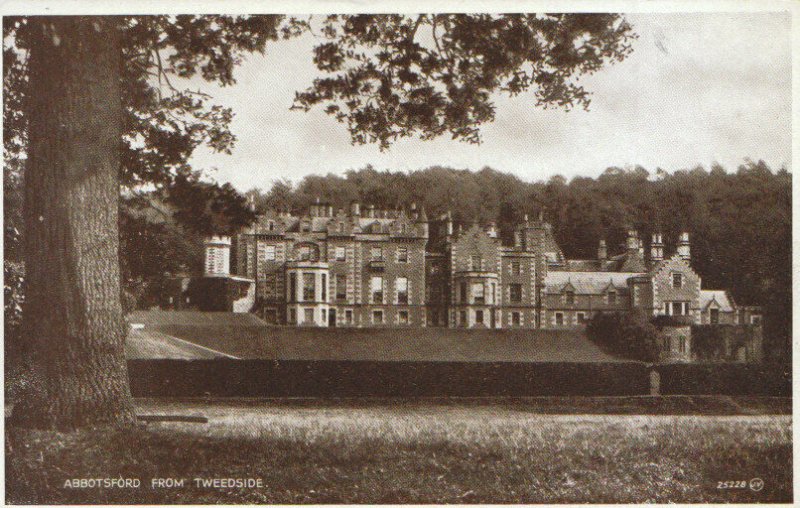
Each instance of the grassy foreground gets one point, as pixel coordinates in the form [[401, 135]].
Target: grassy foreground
[[423, 452]]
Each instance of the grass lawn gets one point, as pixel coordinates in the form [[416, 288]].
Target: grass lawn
[[423, 451]]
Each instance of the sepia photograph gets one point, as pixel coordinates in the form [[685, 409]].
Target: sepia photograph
[[402, 253]]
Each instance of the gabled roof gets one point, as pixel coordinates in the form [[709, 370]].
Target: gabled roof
[[590, 283], [550, 248], [671, 261], [721, 297]]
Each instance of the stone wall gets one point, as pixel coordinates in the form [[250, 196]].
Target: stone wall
[[675, 344]]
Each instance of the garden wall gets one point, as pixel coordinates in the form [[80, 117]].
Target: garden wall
[[296, 378]]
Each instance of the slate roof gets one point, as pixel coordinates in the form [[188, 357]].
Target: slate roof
[[588, 283], [583, 265], [722, 298]]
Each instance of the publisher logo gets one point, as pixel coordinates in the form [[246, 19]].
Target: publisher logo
[[756, 484]]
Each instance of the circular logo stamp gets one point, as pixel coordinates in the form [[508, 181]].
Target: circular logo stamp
[[756, 484]]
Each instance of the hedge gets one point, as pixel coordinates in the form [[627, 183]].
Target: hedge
[[295, 378], [725, 379]]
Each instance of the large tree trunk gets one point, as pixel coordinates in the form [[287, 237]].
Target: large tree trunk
[[73, 326]]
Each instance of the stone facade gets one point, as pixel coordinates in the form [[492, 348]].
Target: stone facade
[[676, 344], [337, 269], [372, 268]]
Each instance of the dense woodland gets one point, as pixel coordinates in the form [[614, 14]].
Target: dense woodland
[[739, 218]]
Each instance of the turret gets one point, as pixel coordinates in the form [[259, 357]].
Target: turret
[[683, 247], [218, 255], [656, 248]]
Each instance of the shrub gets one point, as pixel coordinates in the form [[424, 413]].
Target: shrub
[[664, 321], [630, 335], [725, 379]]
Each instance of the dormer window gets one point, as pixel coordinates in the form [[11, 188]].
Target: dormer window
[[570, 296], [341, 227], [677, 280], [612, 297], [271, 225]]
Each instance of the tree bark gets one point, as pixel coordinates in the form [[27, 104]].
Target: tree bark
[[73, 326]]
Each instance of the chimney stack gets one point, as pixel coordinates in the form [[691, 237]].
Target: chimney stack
[[371, 211], [449, 224], [633, 240], [602, 251], [355, 209], [683, 247], [656, 248], [491, 230]]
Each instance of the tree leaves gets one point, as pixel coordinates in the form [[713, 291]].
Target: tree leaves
[[392, 76], [163, 123]]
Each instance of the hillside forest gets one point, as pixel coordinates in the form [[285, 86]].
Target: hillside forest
[[739, 219]]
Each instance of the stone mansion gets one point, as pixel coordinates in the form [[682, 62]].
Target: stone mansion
[[373, 268]]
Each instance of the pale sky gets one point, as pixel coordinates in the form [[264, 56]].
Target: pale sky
[[698, 89]]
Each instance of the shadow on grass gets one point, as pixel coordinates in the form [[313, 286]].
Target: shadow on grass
[[379, 457]]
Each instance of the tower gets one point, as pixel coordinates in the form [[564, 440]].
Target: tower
[[218, 255]]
